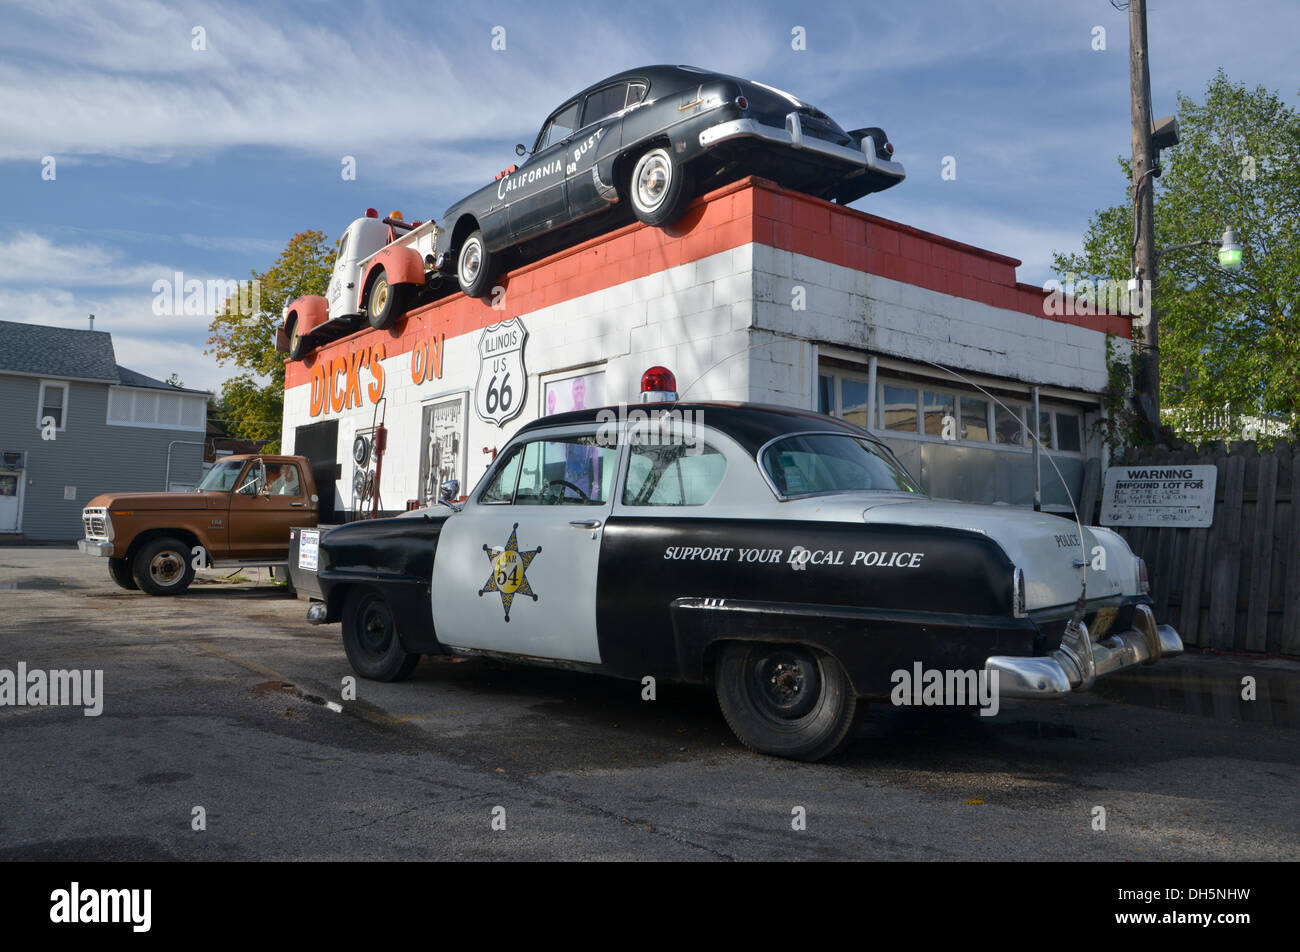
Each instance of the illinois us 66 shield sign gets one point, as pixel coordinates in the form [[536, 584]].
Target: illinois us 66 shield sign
[[502, 381]]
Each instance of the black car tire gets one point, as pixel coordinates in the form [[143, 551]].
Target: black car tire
[[120, 571], [371, 640], [387, 302], [163, 567], [659, 187], [475, 266], [299, 344], [785, 700]]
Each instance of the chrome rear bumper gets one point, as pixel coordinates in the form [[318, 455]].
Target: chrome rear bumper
[[1077, 664], [793, 136]]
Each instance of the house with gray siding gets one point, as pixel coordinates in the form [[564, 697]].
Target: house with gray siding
[[74, 423]]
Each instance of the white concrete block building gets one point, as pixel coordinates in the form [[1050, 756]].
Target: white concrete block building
[[758, 295]]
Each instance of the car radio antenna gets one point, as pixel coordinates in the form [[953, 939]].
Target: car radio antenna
[[1032, 430], [1083, 560]]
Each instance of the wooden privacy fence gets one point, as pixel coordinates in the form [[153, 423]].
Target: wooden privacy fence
[[1236, 585]]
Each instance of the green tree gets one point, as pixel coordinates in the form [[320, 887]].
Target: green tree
[[251, 403], [1228, 339]]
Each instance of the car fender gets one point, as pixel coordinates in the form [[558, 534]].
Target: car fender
[[401, 265], [309, 311]]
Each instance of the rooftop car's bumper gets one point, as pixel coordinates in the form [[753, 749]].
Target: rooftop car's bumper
[[792, 135]]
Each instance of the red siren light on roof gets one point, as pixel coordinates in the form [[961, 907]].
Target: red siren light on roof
[[371, 213], [658, 385]]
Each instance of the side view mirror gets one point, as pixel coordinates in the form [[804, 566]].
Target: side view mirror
[[520, 149], [449, 490]]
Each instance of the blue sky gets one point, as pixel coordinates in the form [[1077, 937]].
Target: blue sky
[[206, 161]]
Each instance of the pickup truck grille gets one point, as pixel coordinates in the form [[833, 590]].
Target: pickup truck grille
[[94, 523]]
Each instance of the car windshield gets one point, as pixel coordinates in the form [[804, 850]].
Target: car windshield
[[814, 463], [221, 477]]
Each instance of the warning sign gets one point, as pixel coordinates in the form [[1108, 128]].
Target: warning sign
[[1177, 496]]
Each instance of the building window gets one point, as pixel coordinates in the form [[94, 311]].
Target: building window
[[1068, 435], [1010, 426], [939, 407], [909, 409], [975, 419], [899, 408], [153, 408], [53, 404], [853, 400]]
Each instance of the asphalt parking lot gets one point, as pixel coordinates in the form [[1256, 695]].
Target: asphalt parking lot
[[226, 699]]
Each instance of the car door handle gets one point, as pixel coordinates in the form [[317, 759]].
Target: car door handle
[[585, 523], [297, 504]]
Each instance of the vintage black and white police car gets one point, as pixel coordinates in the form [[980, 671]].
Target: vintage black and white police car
[[649, 140], [785, 557]]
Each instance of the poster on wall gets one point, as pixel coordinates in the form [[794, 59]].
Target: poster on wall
[[574, 393], [442, 446]]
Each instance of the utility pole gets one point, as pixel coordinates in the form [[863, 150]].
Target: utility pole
[[1146, 166]]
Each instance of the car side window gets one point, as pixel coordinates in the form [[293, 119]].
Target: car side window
[[635, 93], [673, 475], [253, 480], [569, 470], [282, 480], [502, 488], [561, 125], [604, 103]]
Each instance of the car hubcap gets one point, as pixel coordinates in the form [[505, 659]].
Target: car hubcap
[[653, 178], [785, 683], [471, 259], [166, 568], [379, 300], [376, 628]]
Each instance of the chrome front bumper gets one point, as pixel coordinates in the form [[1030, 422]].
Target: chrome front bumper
[[95, 547], [1077, 664], [792, 136]]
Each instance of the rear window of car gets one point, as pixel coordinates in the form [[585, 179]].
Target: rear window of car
[[673, 475], [813, 463]]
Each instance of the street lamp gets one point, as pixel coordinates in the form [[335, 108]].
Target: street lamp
[[1230, 250]]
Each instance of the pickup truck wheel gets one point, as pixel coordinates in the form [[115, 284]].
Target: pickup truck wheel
[[388, 302], [370, 638], [298, 343], [163, 567], [120, 571], [475, 266], [785, 700], [659, 188]]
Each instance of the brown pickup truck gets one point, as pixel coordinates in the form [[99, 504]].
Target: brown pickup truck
[[239, 515]]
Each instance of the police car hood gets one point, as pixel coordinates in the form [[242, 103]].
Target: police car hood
[[1045, 547]]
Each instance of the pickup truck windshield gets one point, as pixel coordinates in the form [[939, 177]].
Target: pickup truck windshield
[[221, 477], [814, 463]]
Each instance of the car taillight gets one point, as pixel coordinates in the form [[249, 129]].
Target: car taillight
[[742, 102], [1144, 580], [889, 148]]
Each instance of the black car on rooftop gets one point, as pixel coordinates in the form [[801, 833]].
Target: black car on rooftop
[[643, 144]]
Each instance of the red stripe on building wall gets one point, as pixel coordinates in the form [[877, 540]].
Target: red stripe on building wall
[[750, 210]]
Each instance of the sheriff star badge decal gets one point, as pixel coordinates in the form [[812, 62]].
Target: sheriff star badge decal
[[510, 571]]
